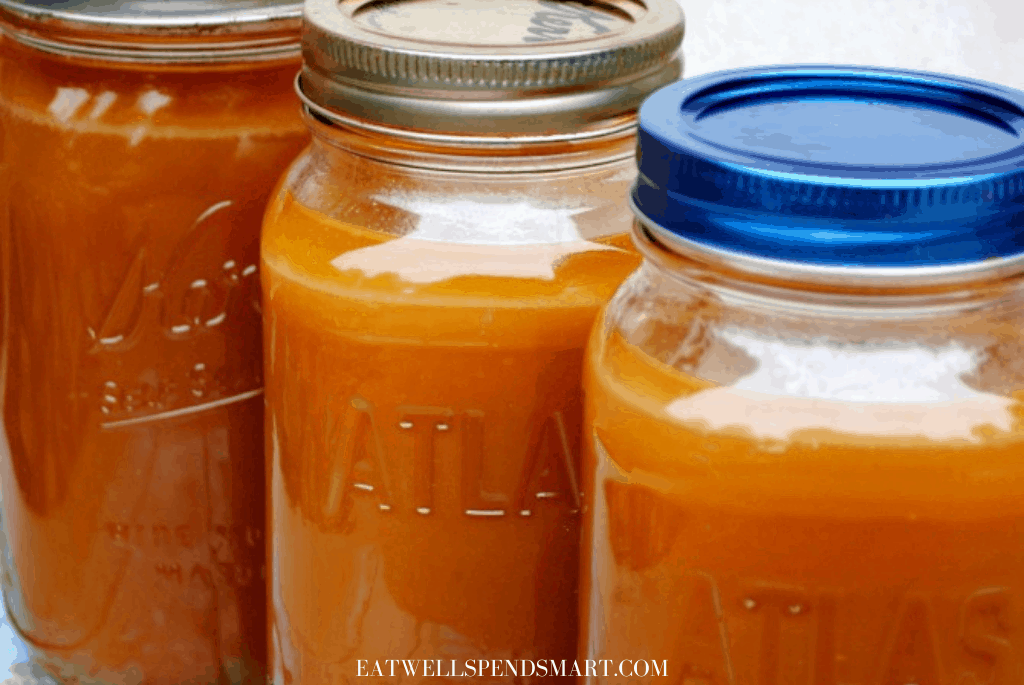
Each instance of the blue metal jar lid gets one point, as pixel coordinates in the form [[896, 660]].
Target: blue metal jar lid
[[829, 165]]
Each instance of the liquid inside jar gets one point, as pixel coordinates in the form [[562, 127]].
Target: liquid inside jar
[[132, 411], [424, 339], [806, 499]]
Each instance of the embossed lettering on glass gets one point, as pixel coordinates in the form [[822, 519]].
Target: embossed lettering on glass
[[144, 141]]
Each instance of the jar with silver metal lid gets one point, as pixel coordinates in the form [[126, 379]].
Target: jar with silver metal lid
[[804, 429], [431, 268], [141, 143]]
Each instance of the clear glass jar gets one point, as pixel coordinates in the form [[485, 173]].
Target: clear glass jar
[[427, 298], [802, 456], [132, 457]]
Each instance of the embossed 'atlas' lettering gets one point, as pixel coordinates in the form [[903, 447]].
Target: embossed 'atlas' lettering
[[548, 473], [805, 625]]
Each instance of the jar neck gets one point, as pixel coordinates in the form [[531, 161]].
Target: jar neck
[[849, 290], [607, 142], [61, 63], [266, 43]]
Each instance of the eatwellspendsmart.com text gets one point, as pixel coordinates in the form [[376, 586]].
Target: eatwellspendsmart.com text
[[504, 668]]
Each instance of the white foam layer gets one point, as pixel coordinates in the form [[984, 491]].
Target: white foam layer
[[910, 390], [473, 238]]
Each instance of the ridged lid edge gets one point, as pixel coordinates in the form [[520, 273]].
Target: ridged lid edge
[[150, 24], [371, 64]]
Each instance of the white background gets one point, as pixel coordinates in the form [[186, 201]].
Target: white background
[[964, 37]]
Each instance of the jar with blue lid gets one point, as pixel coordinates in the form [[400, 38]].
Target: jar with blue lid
[[804, 429]]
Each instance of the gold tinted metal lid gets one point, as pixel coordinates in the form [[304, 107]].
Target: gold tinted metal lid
[[487, 66], [157, 30]]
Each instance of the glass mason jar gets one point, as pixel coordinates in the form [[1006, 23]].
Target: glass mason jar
[[143, 142], [803, 420], [431, 269]]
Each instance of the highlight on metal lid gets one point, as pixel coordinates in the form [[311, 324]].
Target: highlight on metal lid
[[826, 166], [157, 30], [487, 67]]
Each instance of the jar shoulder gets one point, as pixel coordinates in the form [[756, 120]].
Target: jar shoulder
[[342, 228], [80, 96], [462, 205], [692, 338]]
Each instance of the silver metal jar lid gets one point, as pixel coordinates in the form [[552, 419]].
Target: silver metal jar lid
[[157, 30], [482, 67]]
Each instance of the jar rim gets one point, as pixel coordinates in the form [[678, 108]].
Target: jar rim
[[810, 274], [464, 138], [219, 32]]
